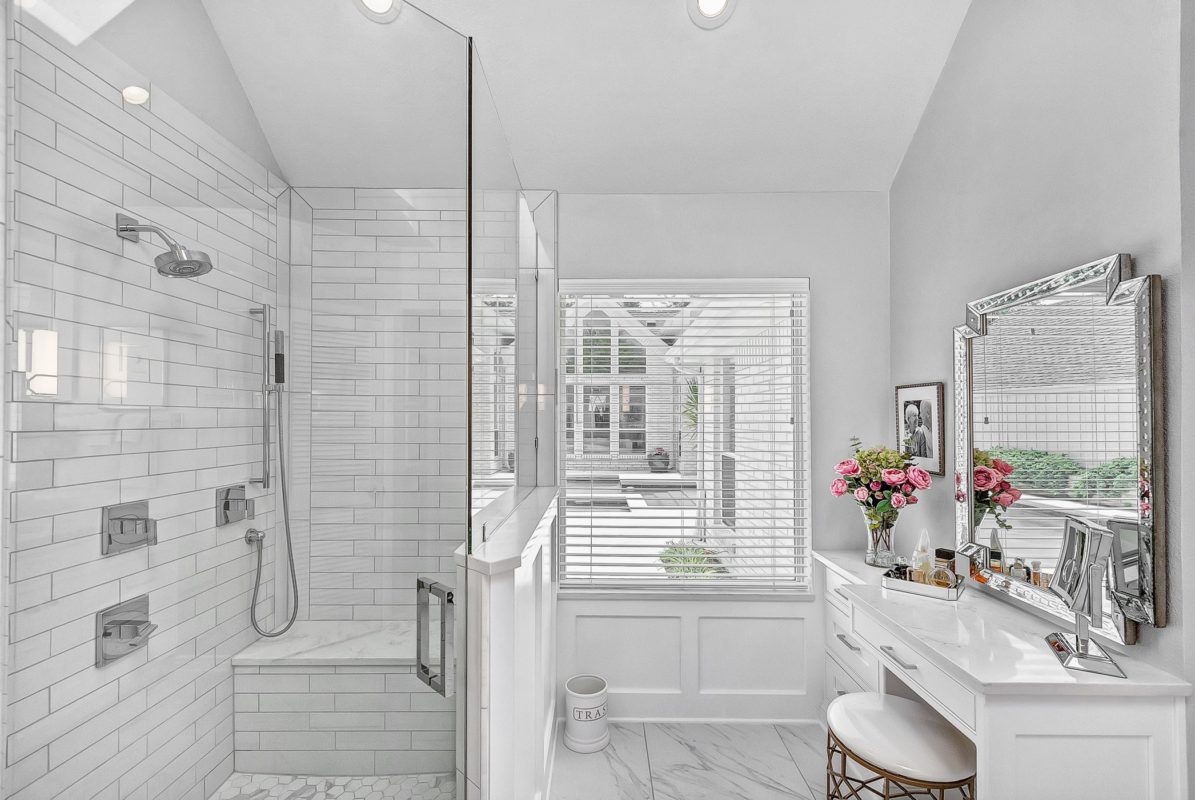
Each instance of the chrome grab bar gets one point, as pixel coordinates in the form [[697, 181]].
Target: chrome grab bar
[[263, 311], [443, 679]]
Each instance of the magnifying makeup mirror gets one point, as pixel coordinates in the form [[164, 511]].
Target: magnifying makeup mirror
[[1078, 582]]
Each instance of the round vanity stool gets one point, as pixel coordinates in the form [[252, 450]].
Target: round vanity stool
[[909, 750]]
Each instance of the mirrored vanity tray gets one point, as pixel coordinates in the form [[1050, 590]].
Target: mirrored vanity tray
[[889, 581]]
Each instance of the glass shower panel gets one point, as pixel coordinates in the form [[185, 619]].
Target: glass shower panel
[[498, 214], [316, 157]]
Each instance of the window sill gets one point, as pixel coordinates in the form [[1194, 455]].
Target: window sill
[[745, 596]]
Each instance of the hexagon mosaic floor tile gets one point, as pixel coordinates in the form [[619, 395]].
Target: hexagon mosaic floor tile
[[242, 786]]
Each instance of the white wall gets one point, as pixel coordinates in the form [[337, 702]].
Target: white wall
[[713, 658], [1183, 503], [173, 43], [1052, 139], [157, 398]]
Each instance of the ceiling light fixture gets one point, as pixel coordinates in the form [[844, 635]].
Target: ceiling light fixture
[[380, 10], [710, 14], [136, 95]]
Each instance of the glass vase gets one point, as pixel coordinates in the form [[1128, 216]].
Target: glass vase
[[881, 540]]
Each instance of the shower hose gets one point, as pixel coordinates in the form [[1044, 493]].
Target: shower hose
[[290, 550]]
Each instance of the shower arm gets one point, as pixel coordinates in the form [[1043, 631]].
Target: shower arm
[[131, 229]]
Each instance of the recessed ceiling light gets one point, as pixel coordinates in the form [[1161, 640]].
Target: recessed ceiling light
[[136, 95], [710, 14], [380, 10]]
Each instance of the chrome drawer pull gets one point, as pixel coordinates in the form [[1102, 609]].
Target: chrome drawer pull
[[854, 648], [891, 653], [842, 594]]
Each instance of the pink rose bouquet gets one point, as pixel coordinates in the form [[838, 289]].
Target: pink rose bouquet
[[993, 492], [882, 481]]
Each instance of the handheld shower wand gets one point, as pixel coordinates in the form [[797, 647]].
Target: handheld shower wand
[[253, 536]]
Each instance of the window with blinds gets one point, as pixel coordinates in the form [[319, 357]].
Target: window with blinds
[[684, 435]]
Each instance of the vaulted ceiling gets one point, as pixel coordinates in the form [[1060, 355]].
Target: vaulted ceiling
[[631, 96], [614, 96]]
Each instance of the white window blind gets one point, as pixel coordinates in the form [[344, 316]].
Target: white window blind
[[684, 436]]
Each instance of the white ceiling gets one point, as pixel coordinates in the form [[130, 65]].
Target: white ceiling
[[631, 96], [613, 96], [345, 101]]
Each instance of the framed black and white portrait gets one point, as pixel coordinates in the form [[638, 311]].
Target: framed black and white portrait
[[919, 420]]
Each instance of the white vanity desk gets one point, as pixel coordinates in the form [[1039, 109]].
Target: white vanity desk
[[1040, 731]]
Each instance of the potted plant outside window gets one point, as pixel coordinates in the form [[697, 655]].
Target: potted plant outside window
[[658, 460]]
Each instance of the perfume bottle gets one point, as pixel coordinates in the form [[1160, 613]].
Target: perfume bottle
[[921, 562], [1018, 570], [944, 557]]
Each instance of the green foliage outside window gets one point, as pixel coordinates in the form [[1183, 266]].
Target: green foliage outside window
[[1039, 471]]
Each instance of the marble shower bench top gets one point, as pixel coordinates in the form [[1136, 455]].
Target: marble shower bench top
[[334, 643]]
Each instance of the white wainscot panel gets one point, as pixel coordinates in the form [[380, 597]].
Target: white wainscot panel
[[700, 658], [751, 655], [652, 664]]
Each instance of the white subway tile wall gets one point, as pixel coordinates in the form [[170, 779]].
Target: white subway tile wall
[[341, 720], [130, 386], [378, 398]]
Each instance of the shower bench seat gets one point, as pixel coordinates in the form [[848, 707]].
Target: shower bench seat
[[339, 698]]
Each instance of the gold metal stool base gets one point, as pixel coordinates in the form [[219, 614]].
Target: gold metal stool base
[[885, 784]]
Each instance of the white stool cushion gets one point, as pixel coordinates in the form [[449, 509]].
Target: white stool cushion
[[901, 737]]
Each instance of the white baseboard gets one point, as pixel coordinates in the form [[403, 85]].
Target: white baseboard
[[709, 721]]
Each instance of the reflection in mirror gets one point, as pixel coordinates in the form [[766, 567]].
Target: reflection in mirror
[[1058, 423], [503, 258], [494, 432]]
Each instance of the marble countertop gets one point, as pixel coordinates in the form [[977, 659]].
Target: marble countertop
[[996, 648], [334, 643], [984, 643], [850, 565]]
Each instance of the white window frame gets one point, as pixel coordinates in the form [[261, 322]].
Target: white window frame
[[801, 391]]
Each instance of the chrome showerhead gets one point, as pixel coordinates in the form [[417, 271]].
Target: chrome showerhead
[[177, 262]]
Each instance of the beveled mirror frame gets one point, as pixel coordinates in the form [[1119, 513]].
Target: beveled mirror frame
[[1148, 606]]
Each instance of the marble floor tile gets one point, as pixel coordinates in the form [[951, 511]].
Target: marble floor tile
[[243, 786], [722, 762], [619, 772], [806, 743]]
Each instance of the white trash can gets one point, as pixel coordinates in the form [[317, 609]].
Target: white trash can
[[586, 729]]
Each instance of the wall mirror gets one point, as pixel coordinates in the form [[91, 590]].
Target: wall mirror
[[1058, 384]]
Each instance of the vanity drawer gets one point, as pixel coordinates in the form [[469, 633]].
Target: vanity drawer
[[842, 643], [838, 680], [834, 596], [939, 688]]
